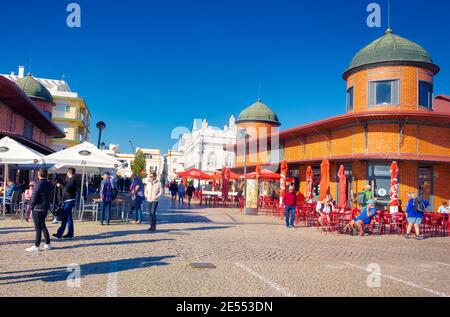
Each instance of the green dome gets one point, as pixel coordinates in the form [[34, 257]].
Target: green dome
[[259, 112], [391, 49], [34, 89]]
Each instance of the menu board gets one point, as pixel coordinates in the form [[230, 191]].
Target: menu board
[[252, 194]]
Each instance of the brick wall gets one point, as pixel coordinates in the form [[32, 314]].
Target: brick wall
[[409, 77]]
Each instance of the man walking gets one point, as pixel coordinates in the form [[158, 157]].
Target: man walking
[[137, 193], [40, 204], [153, 193], [69, 196], [290, 203], [106, 195], [415, 212]]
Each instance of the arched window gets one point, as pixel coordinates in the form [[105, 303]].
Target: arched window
[[212, 160], [230, 160]]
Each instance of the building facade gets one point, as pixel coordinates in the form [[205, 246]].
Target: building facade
[[70, 112], [25, 117], [390, 117], [204, 147]]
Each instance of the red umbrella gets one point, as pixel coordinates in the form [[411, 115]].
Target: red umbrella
[[342, 187], [309, 185], [194, 174], [324, 179], [284, 171], [394, 188], [266, 175]]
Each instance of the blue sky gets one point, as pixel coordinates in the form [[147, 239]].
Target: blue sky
[[146, 67]]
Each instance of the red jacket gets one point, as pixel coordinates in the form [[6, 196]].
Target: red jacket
[[289, 198]]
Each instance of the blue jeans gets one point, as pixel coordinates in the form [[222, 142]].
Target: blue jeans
[[153, 205], [139, 201], [67, 219], [292, 210], [106, 205]]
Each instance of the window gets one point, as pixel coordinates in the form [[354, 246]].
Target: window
[[230, 160], [212, 161], [425, 94], [27, 130], [350, 93], [379, 176], [67, 109], [425, 183], [385, 92]]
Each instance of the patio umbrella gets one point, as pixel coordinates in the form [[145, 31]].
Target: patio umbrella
[[342, 186], [266, 175], [309, 185], [284, 171], [394, 188], [84, 156], [324, 178], [12, 153], [194, 174]]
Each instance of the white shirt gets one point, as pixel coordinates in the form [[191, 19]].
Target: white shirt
[[443, 210]]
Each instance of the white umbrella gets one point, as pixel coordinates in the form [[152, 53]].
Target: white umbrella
[[12, 152], [85, 156]]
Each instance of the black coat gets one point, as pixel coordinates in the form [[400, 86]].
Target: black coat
[[42, 196]]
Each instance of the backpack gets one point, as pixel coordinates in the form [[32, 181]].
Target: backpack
[[419, 206], [362, 199]]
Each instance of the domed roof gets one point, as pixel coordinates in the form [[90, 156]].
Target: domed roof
[[34, 89], [259, 112], [393, 50]]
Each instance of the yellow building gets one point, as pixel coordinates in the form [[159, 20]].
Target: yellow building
[[71, 115]]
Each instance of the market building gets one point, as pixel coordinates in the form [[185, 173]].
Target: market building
[[25, 116], [70, 111], [390, 116]]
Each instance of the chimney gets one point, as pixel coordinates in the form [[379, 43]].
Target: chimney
[[21, 71]]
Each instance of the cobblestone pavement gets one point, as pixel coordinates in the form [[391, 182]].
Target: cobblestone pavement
[[252, 255]]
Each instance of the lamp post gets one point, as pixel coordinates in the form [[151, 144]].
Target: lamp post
[[100, 126], [246, 136]]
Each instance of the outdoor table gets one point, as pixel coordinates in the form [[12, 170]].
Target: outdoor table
[[118, 204]]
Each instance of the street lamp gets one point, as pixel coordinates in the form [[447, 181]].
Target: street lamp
[[245, 136], [100, 126]]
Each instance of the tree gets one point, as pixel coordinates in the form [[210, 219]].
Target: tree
[[139, 165]]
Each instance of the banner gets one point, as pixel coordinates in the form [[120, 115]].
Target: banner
[[252, 194]]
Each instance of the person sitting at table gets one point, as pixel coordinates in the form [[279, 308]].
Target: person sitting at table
[[443, 209], [365, 218], [324, 208], [274, 196], [8, 193], [27, 197]]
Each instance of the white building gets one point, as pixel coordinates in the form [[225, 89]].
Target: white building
[[203, 148], [171, 164], [152, 160]]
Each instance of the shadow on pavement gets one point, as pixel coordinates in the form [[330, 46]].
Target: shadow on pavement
[[116, 243], [60, 274]]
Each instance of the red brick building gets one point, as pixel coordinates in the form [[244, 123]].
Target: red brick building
[[390, 116], [25, 114]]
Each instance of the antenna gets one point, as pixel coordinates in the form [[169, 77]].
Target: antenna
[[30, 63], [259, 90], [389, 14]]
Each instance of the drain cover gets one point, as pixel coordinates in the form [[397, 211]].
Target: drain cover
[[202, 265]]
